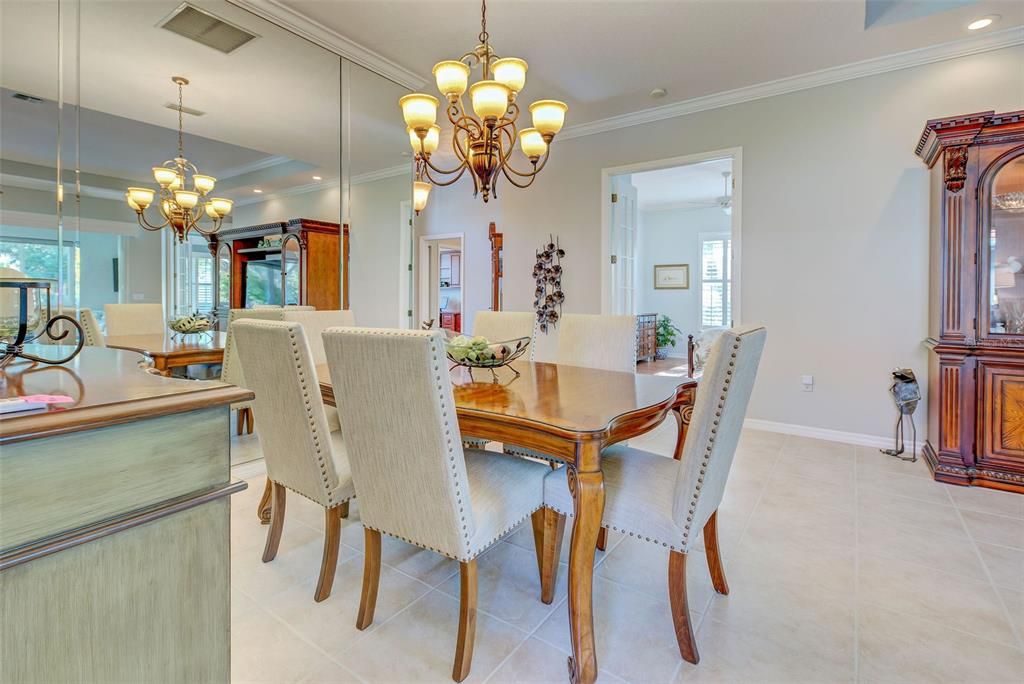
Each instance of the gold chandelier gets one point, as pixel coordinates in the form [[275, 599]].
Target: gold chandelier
[[180, 208], [482, 143]]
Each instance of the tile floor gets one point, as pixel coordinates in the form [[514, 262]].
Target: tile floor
[[844, 565]]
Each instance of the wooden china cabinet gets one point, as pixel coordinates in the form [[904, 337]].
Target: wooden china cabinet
[[281, 263], [976, 307]]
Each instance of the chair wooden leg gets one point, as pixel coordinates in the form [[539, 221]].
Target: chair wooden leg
[[537, 521], [343, 510], [266, 501], [332, 540], [371, 579], [276, 523], [602, 539], [549, 550], [248, 421], [467, 621], [239, 420], [680, 607], [714, 554]]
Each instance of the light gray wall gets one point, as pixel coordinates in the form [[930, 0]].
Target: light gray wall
[[835, 226], [672, 236]]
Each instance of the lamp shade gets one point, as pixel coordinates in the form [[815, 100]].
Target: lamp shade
[[203, 184], [210, 211], [141, 197], [164, 176], [510, 71], [532, 143], [548, 116], [186, 199], [131, 202], [420, 193], [452, 77], [178, 183], [490, 98], [221, 206], [430, 140], [419, 110]]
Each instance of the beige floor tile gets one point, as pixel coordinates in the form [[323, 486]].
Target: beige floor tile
[[926, 593], [633, 632], [810, 493], [732, 654], [264, 650], [778, 519], [331, 624], [329, 672], [894, 647], [817, 448], [1006, 565], [883, 535], [522, 537], [1014, 602], [536, 662], [930, 518], [995, 529], [922, 489], [873, 458], [643, 566], [750, 437], [988, 501], [427, 566], [814, 466], [418, 644], [509, 586]]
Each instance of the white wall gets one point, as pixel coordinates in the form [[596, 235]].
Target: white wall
[[835, 226], [672, 236]]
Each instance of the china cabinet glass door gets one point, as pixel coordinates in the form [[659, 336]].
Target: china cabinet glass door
[[291, 283], [1006, 249]]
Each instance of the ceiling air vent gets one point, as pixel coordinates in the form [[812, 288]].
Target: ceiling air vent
[[202, 27], [26, 98]]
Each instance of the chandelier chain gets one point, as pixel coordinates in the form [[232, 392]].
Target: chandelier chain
[[181, 123], [483, 23]]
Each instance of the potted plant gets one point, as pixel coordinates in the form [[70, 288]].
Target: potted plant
[[666, 336]]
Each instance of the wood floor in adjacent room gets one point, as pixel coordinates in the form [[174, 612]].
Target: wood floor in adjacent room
[[844, 565]]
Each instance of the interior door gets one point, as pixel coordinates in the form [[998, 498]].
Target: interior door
[[624, 238]]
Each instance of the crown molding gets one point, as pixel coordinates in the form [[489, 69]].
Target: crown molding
[[301, 25], [870, 67], [258, 165], [381, 174]]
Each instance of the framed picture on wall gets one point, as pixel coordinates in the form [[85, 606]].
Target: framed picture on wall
[[672, 276]]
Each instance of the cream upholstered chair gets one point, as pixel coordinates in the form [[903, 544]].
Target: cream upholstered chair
[[668, 502], [134, 319], [91, 328], [315, 322], [300, 450], [231, 366], [414, 479]]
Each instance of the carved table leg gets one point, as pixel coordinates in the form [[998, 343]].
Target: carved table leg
[[587, 487], [263, 510]]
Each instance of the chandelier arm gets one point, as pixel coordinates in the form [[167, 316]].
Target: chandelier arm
[[533, 173], [444, 172], [510, 117], [506, 163], [458, 118], [442, 184], [149, 226]]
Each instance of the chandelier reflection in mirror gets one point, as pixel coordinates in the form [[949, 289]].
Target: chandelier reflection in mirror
[[483, 143], [181, 207], [1010, 201]]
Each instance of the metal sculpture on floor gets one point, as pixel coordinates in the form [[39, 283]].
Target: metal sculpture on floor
[[906, 394]]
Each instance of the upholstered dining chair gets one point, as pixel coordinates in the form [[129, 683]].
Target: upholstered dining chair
[[415, 480], [134, 319], [301, 452], [231, 366], [91, 328], [315, 322], [667, 502]]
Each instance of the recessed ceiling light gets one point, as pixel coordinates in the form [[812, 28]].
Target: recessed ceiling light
[[257, 191], [658, 93], [317, 178], [984, 22]]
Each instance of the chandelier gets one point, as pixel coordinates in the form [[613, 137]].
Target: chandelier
[[180, 208], [482, 143], [1010, 201]]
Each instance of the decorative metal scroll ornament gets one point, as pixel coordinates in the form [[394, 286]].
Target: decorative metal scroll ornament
[[548, 295], [906, 394], [29, 324]]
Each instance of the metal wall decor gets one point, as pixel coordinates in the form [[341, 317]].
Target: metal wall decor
[[547, 273], [25, 318]]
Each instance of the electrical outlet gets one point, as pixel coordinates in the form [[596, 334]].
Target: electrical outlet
[[808, 382]]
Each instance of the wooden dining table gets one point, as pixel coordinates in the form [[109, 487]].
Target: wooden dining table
[[168, 351], [570, 413]]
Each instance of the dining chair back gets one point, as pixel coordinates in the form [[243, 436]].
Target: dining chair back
[[290, 307], [231, 366], [500, 326], [134, 319], [315, 322], [715, 425], [91, 328], [598, 341]]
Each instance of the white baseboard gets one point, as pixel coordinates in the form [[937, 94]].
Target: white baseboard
[[856, 438]]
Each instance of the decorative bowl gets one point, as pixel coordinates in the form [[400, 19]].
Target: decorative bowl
[[479, 352], [192, 324]]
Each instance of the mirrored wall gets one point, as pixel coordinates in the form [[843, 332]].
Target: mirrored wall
[[306, 152]]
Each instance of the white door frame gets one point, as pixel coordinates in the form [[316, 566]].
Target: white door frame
[[735, 153], [423, 274], [405, 259]]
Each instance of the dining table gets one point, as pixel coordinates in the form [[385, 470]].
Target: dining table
[[168, 350], [571, 414]]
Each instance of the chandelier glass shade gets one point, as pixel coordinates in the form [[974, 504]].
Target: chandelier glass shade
[[182, 193], [484, 134]]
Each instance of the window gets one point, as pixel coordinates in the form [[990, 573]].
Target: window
[[41, 258], [195, 291], [715, 276]]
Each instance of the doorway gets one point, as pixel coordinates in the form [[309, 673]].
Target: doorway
[[406, 272], [442, 281], [671, 242]]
